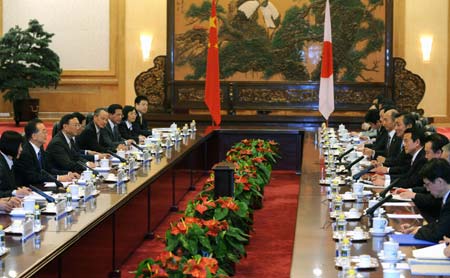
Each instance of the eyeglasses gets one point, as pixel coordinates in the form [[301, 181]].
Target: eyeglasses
[[76, 125]]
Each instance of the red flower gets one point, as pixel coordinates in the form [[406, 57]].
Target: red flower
[[240, 179], [258, 159], [210, 263], [201, 208], [194, 269], [193, 220], [227, 202], [214, 226], [246, 152], [180, 227], [157, 271], [169, 260]]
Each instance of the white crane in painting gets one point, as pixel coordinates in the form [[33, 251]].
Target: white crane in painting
[[269, 11]]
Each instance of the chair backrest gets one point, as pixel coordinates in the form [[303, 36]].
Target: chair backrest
[[56, 128], [89, 117]]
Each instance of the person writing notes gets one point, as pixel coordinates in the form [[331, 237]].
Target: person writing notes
[[436, 178], [10, 149]]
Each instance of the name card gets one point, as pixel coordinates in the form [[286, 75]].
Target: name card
[[60, 208], [28, 229], [88, 191]]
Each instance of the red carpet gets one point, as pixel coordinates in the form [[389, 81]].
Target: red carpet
[[271, 243], [444, 130]]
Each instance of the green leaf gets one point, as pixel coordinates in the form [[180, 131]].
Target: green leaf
[[220, 213]]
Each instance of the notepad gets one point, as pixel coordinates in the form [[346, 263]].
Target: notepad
[[409, 240], [404, 216], [435, 252], [429, 267], [397, 204]]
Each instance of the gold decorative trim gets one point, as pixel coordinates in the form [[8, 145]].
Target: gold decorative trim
[[101, 77]]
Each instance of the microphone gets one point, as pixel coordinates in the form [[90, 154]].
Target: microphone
[[116, 156], [373, 208], [344, 154], [47, 197], [357, 176], [95, 172], [137, 146], [389, 187], [350, 165], [52, 178]]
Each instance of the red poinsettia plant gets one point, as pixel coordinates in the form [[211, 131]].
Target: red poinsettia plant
[[170, 265], [234, 211], [194, 236]]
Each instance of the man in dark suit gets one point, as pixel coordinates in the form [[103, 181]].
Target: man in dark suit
[[141, 125], [413, 141], [400, 163], [62, 151], [28, 168], [91, 138], [428, 205], [436, 177], [111, 134], [10, 149], [385, 136]]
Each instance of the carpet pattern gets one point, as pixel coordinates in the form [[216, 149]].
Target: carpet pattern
[[269, 253]]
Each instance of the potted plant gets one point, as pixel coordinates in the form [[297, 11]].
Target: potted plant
[[169, 265], [26, 61], [192, 236]]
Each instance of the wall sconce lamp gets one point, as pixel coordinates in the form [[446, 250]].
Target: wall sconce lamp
[[426, 41], [146, 46]]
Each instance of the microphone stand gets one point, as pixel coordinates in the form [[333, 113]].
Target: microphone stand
[[121, 159], [389, 187], [53, 179]]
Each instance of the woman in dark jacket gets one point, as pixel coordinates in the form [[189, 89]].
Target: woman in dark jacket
[[126, 127]]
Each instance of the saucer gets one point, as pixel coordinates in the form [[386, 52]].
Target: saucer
[[354, 261], [348, 216], [348, 197], [352, 216], [400, 256], [365, 236], [386, 231], [327, 182]]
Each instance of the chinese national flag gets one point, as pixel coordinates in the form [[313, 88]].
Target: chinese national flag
[[212, 84], [326, 91]]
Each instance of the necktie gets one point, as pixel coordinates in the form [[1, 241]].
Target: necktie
[[388, 144], [72, 144], [39, 156], [116, 133], [98, 137]]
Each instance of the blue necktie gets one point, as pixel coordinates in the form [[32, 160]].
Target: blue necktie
[[39, 155]]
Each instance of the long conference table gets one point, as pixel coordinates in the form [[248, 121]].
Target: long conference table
[[97, 238], [314, 248]]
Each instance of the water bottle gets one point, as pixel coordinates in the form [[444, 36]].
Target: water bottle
[[341, 225], [120, 180], [2, 240], [37, 219], [145, 156], [68, 199], [344, 252], [37, 241]]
